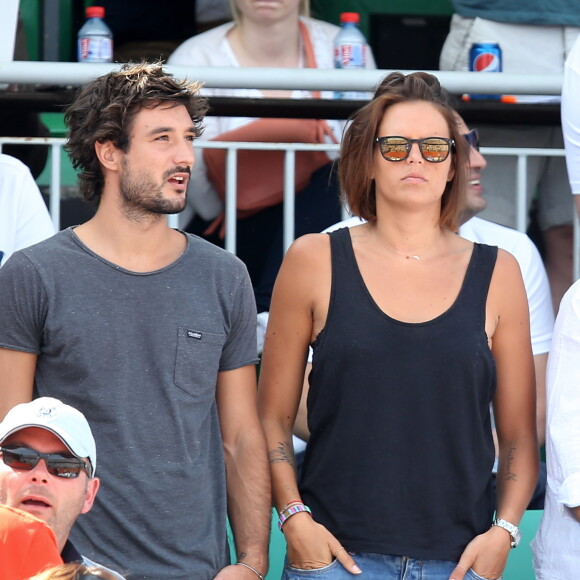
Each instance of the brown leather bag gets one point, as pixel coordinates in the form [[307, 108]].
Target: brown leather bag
[[260, 174]]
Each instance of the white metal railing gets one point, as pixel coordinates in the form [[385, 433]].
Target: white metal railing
[[290, 150], [74, 73]]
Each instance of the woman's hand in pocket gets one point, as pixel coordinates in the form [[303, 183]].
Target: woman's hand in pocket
[[312, 546]]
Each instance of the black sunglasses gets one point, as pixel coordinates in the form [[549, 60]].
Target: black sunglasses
[[56, 464], [433, 149], [472, 138]]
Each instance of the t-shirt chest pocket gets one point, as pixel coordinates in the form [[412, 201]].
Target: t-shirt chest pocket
[[197, 360]]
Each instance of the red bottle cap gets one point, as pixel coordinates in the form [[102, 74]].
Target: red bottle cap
[[95, 12], [350, 17]]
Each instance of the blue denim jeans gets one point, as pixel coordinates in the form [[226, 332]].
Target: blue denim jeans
[[381, 567]]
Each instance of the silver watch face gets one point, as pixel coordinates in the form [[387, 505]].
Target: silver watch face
[[517, 537]]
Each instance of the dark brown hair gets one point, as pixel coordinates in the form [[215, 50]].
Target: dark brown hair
[[104, 109], [358, 145]]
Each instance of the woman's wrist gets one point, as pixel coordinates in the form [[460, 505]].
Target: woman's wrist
[[290, 510]]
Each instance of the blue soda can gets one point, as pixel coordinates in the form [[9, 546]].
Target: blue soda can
[[485, 57]]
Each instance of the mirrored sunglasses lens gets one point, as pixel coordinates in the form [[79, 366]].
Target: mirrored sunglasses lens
[[64, 468], [435, 150], [20, 459], [394, 148]]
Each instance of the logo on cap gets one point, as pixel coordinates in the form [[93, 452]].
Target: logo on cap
[[46, 412]]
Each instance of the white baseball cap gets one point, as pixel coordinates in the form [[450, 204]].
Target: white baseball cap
[[66, 422]]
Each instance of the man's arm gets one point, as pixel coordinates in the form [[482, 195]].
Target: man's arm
[[16, 378], [247, 472]]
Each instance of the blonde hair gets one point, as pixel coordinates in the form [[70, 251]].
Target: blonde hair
[[304, 9], [73, 571]]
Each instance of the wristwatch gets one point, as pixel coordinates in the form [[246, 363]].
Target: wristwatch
[[513, 531]]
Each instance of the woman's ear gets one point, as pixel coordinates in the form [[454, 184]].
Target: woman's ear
[[451, 173], [374, 160]]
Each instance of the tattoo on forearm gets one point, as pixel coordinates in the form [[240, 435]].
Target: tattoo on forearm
[[510, 475], [284, 453]]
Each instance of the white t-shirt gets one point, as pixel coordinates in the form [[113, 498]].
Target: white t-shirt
[[556, 546], [571, 115], [212, 48], [24, 219]]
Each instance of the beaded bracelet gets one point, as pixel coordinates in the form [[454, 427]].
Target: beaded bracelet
[[260, 576], [288, 512]]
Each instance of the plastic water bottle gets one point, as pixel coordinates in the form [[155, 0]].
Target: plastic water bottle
[[350, 50], [95, 39]]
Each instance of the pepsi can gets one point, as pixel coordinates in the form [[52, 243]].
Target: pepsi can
[[485, 57]]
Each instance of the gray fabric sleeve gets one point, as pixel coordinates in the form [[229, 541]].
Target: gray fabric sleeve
[[240, 348]]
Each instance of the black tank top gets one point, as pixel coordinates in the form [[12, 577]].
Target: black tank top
[[400, 454]]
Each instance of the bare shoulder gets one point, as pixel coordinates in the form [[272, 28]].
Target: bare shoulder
[[507, 291], [302, 287], [310, 243], [308, 251], [507, 266]]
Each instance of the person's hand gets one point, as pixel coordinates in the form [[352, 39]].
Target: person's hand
[[235, 572], [312, 546], [486, 555]]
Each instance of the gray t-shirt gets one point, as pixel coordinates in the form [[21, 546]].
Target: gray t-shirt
[[138, 354]]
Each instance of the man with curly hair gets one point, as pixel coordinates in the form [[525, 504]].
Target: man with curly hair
[[151, 333]]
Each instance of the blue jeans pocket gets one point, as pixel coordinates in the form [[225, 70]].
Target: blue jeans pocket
[[332, 570], [471, 575]]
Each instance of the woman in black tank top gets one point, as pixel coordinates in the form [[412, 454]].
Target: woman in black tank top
[[415, 332]]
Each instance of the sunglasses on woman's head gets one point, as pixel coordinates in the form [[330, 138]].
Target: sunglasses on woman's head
[[433, 149], [56, 464]]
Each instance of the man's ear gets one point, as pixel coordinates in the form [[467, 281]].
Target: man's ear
[[108, 155], [90, 493]]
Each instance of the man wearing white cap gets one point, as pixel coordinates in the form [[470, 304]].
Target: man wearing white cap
[[48, 466]]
